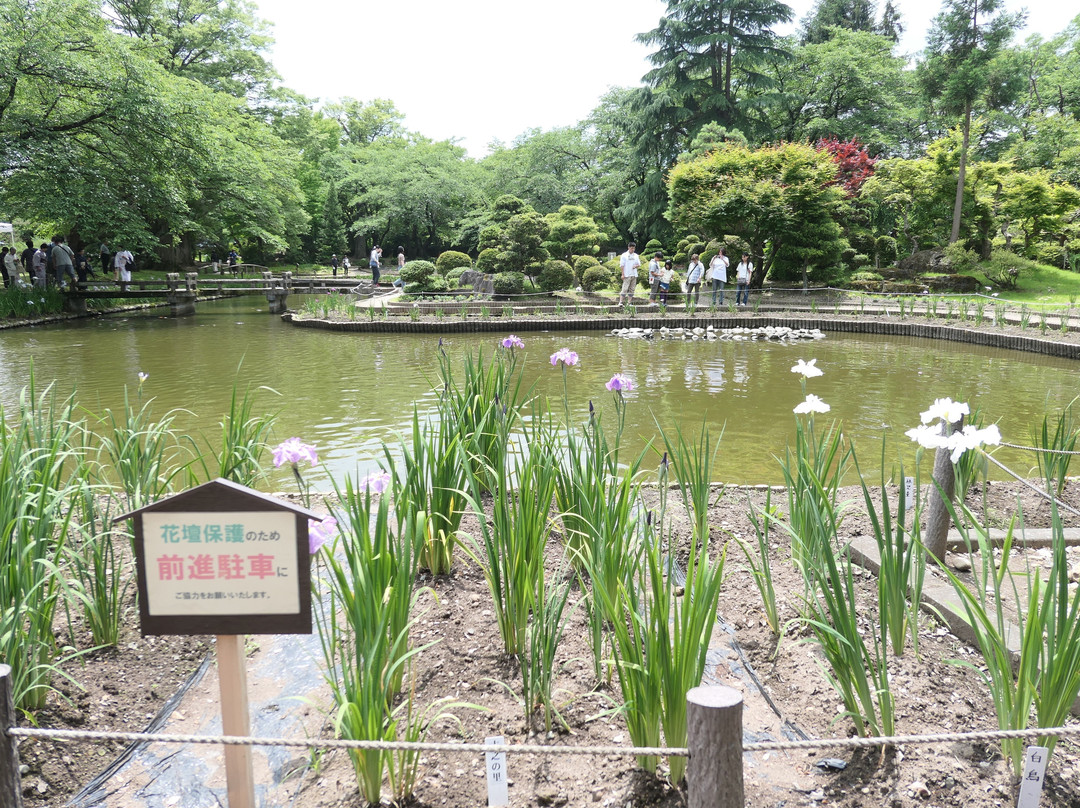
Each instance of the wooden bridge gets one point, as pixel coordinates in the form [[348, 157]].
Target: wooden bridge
[[181, 292]]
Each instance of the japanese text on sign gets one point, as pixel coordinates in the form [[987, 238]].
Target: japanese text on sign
[[221, 563]]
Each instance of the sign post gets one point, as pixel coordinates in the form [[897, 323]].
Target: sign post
[[223, 559]]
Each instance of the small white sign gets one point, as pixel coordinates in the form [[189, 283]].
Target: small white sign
[[6, 227], [498, 793], [909, 493], [1032, 784]]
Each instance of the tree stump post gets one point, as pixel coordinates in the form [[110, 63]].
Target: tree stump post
[[714, 737]]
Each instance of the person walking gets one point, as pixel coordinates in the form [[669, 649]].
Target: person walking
[[63, 260], [718, 268], [656, 269], [743, 272], [629, 262], [122, 263], [695, 274], [373, 264]]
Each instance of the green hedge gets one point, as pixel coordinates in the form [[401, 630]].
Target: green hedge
[[556, 276], [509, 283], [450, 260]]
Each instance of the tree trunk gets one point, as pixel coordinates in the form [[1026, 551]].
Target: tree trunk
[[941, 496], [960, 179]]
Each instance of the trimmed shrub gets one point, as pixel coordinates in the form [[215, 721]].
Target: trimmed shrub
[[417, 272], [860, 260], [866, 276], [582, 264], [436, 283], [680, 259], [885, 247], [509, 283], [486, 261], [451, 259], [595, 278], [454, 275], [960, 258], [556, 276], [848, 256], [652, 247], [414, 289], [614, 271]]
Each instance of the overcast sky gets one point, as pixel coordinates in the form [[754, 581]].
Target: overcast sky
[[481, 70]]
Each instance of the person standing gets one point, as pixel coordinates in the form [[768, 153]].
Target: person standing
[[345, 265], [63, 260], [334, 263], [629, 262], [743, 273], [122, 263], [718, 267], [373, 264], [10, 266], [695, 273], [666, 277], [215, 261], [234, 259], [82, 266], [656, 269], [41, 258], [105, 253], [27, 260]]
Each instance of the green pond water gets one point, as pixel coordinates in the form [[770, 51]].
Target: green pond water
[[347, 393]]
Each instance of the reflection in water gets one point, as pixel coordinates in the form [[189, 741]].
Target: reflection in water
[[347, 393]]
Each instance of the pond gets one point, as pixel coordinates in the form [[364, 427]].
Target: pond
[[346, 393]]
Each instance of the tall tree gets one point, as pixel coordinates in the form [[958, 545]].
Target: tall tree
[[891, 26], [219, 43], [829, 15], [706, 51], [963, 40]]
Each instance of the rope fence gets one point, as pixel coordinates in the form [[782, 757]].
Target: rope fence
[[74, 735]]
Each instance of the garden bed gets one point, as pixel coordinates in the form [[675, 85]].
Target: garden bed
[[125, 688]]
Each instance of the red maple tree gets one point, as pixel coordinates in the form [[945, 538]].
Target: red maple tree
[[854, 165]]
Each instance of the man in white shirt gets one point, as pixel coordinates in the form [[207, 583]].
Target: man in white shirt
[[742, 280], [656, 269], [373, 264], [718, 275], [122, 263], [629, 263]]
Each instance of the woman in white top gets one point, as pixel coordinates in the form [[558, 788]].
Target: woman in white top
[[718, 275], [695, 274], [742, 280]]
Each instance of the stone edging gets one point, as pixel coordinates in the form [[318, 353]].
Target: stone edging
[[989, 339]]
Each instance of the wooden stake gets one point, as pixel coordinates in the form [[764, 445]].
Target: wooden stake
[[232, 677], [10, 785], [714, 737]]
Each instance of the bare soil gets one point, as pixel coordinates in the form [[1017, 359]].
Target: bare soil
[[125, 687]]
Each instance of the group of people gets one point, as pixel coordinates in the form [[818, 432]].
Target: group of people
[[55, 262], [662, 274], [375, 264]]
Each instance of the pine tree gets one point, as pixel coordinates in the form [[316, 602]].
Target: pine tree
[[331, 238], [890, 26], [855, 15]]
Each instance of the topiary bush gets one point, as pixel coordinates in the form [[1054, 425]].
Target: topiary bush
[[848, 256], [615, 271], [885, 249], [451, 259], [509, 283], [582, 264], [595, 278], [860, 260], [555, 276], [455, 274], [418, 271], [414, 289], [436, 283], [487, 259]]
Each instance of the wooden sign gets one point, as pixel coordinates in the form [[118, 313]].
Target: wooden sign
[[223, 559]]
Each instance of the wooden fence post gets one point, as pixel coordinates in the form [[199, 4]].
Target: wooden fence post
[[714, 737], [10, 780]]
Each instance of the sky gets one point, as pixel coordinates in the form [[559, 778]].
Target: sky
[[483, 70]]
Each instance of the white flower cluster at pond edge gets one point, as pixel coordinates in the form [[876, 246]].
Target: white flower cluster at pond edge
[[946, 411], [769, 332]]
